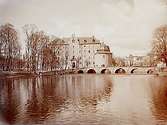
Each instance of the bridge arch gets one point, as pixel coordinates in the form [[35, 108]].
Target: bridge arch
[[120, 70], [91, 71], [150, 71], [105, 71], [80, 71], [132, 71]]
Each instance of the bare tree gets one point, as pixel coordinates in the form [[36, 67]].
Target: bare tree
[[38, 41], [42, 52], [66, 58], [9, 45], [28, 29], [159, 45], [47, 58], [56, 46], [119, 61], [35, 42]]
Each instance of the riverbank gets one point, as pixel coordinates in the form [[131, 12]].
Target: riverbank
[[12, 74]]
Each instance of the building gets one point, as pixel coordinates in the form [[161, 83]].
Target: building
[[85, 52], [147, 60], [103, 56], [134, 60], [88, 49], [62, 49]]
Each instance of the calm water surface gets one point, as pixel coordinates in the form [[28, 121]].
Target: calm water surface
[[84, 100]]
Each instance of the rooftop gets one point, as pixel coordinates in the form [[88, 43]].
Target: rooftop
[[82, 40]]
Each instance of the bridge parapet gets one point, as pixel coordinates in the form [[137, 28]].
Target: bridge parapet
[[113, 70]]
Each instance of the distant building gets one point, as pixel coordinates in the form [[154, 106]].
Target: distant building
[[134, 60], [84, 52], [147, 60], [161, 65]]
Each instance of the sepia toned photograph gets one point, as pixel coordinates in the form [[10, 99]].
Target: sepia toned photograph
[[83, 62]]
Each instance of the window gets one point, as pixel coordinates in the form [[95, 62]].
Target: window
[[103, 65], [73, 65]]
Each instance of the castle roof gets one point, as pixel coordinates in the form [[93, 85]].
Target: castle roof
[[83, 40], [88, 40], [104, 49]]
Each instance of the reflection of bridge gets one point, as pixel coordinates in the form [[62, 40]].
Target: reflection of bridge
[[113, 70]]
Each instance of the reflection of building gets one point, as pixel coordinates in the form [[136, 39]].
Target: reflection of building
[[86, 52]]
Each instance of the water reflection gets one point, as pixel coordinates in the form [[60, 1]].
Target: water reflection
[[9, 100], [84, 99], [159, 98], [35, 100]]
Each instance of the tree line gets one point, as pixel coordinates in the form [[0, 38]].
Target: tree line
[[159, 44], [40, 49]]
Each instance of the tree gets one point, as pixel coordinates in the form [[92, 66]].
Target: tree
[[47, 58], [9, 45], [35, 42], [38, 41], [159, 45], [56, 45], [119, 61], [28, 29], [66, 58], [42, 51]]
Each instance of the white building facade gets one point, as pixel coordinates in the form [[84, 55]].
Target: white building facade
[[84, 52], [103, 56]]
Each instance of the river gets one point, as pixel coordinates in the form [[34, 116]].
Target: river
[[88, 99]]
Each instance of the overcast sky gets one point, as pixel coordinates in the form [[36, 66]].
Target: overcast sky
[[125, 25]]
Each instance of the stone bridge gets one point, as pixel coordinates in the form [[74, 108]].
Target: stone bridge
[[114, 70]]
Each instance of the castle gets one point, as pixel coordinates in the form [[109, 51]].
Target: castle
[[83, 52]]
